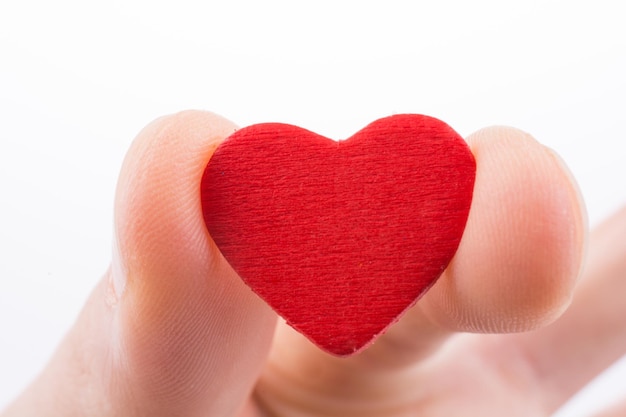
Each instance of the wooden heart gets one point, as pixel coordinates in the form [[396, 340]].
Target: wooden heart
[[340, 238]]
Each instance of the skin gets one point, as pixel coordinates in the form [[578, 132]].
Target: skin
[[171, 330]]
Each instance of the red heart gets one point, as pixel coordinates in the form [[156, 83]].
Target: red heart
[[340, 238]]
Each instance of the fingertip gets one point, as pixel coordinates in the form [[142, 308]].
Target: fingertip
[[522, 249], [190, 330], [159, 182]]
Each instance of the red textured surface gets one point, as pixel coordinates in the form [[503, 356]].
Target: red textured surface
[[340, 238]]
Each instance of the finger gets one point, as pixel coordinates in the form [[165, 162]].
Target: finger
[[522, 249], [171, 331], [591, 335], [515, 270]]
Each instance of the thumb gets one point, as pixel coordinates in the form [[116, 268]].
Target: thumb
[[171, 330]]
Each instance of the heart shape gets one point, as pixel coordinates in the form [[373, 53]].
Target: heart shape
[[340, 238]]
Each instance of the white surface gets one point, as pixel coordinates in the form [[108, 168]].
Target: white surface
[[79, 79]]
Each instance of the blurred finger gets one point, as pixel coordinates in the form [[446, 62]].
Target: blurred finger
[[591, 335], [616, 410]]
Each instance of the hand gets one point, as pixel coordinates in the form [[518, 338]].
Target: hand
[[172, 331]]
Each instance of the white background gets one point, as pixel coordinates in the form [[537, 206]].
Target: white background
[[78, 80]]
